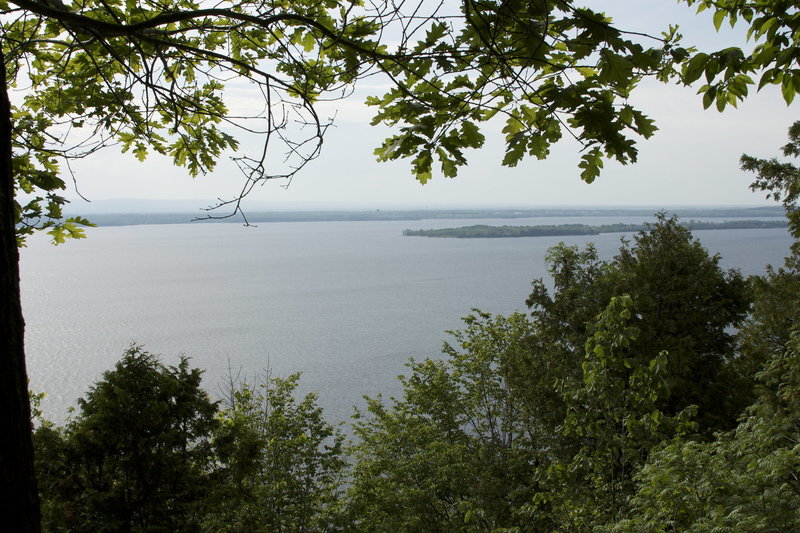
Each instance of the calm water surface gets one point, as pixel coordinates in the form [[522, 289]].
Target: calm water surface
[[346, 303]]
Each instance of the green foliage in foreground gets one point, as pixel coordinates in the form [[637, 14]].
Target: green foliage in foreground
[[279, 463], [454, 453], [148, 79], [683, 302], [744, 480], [481, 231], [148, 451], [137, 454]]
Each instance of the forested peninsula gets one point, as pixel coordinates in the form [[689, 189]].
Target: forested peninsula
[[483, 231]]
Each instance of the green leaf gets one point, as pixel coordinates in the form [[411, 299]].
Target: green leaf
[[436, 32], [616, 69], [591, 163], [708, 97], [47, 181], [787, 88], [719, 17], [694, 68], [471, 135], [721, 101], [515, 149], [140, 151], [645, 126]]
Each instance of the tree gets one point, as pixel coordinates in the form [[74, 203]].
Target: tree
[[612, 416], [775, 312], [687, 306], [456, 453], [744, 480], [149, 451], [781, 181], [280, 464], [137, 455], [463, 451], [683, 302]]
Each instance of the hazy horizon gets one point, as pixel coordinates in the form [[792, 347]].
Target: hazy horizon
[[196, 206]]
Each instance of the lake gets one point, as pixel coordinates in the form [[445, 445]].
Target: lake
[[346, 303]]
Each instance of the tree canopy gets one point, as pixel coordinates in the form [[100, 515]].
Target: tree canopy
[[149, 451], [137, 455], [684, 303]]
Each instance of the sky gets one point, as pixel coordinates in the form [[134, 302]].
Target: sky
[[692, 160]]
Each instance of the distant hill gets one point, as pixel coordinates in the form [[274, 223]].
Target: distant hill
[[122, 218]]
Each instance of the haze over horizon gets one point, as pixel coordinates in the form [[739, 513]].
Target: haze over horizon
[[198, 207]]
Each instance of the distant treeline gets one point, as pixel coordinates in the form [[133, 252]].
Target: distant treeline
[[484, 231], [130, 219]]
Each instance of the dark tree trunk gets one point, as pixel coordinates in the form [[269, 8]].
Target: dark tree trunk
[[19, 501]]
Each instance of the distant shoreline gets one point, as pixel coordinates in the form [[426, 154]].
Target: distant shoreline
[[482, 231], [134, 219]]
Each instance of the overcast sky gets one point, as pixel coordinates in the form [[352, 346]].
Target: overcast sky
[[692, 159]]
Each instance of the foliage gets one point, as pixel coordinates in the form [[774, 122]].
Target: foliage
[[281, 464], [613, 419], [148, 451], [549, 70], [779, 180], [455, 453], [773, 315], [772, 27], [137, 454], [464, 450], [744, 480], [543, 70], [776, 308], [149, 77], [683, 303]]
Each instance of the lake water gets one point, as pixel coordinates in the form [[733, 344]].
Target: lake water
[[346, 303]]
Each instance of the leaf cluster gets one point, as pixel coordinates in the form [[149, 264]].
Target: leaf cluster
[[453, 453], [772, 27], [684, 303], [543, 69], [281, 462]]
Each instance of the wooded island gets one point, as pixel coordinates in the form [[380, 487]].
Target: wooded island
[[483, 231]]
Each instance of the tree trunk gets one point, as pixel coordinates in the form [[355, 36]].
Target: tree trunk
[[19, 500]]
